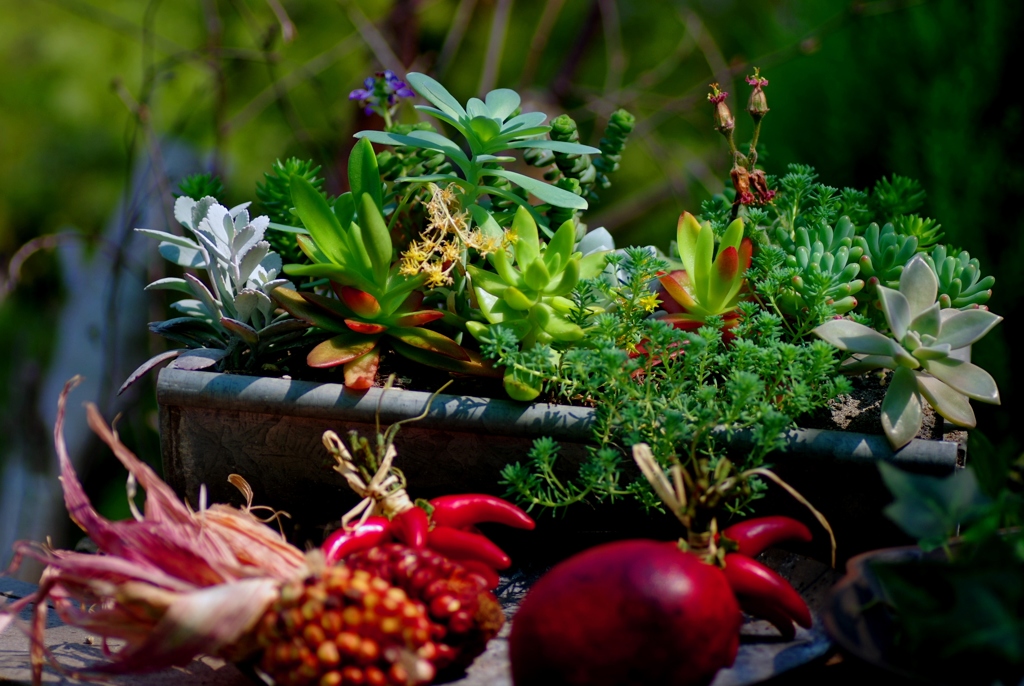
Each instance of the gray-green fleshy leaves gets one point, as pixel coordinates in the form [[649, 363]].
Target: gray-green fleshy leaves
[[490, 126], [232, 316], [230, 248], [961, 284], [921, 352], [826, 264], [528, 291]]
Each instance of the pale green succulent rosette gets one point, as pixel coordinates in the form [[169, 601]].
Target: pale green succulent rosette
[[490, 127], [527, 292], [922, 352]]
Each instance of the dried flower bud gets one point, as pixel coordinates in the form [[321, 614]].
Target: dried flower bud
[[741, 182], [757, 106], [759, 183], [724, 121]]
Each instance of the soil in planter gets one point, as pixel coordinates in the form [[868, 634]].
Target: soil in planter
[[861, 412]]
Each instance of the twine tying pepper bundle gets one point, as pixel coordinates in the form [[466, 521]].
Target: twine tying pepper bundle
[[383, 493], [674, 494]]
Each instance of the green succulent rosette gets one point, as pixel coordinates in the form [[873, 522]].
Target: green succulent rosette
[[925, 351]]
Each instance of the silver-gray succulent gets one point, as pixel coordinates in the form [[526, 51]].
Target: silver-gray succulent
[[233, 313], [925, 351], [230, 248]]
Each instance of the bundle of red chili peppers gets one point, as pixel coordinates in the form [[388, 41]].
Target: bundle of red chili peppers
[[446, 525]]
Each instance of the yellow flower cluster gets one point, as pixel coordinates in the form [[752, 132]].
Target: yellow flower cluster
[[440, 247]]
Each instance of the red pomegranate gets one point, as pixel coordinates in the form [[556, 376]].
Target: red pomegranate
[[630, 612]]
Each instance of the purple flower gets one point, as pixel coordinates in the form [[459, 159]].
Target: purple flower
[[381, 93]]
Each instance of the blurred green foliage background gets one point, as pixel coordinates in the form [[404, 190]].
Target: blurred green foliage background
[[98, 97]]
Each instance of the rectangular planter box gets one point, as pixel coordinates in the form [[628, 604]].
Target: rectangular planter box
[[269, 431]]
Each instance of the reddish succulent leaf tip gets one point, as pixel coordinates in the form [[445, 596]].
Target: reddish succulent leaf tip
[[361, 302], [414, 319], [746, 253], [365, 327], [728, 263]]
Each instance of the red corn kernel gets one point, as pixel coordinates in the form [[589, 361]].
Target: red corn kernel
[[352, 675], [331, 679], [368, 652]]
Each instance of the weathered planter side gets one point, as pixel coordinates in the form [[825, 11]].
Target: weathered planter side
[[269, 431]]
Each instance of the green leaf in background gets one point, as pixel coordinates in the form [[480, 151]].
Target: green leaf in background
[[363, 174], [545, 192], [931, 508], [437, 94], [957, 617]]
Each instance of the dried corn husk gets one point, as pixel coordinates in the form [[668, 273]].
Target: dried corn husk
[[172, 583]]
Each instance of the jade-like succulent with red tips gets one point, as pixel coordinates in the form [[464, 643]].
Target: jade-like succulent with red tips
[[925, 351], [961, 284], [705, 287], [351, 246]]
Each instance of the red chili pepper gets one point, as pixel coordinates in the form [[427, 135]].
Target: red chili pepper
[[460, 545], [755, 535], [464, 510], [410, 527], [750, 579], [477, 567], [339, 545], [756, 607]]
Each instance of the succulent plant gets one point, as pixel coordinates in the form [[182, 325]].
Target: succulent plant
[[351, 246], [896, 196], [490, 126], [275, 198], [233, 314], [527, 293], [826, 266], [885, 252], [200, 185], [406, 161], [922, 353], [928, 232], [705, 288], [960, 282], [576, 172]]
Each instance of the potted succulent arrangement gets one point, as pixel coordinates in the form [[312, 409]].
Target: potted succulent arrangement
[[439, 257], [681, 373]]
